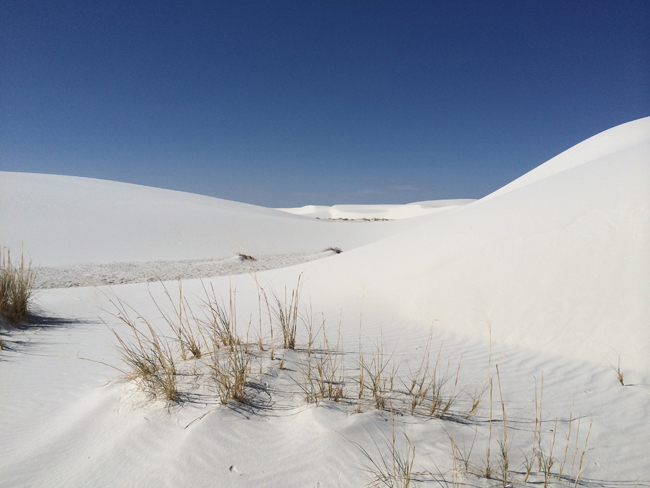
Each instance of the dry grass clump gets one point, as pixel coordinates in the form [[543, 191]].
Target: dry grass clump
[[16, 286], [428, 391], [428, 386], [230, 368], [420, 381], [381, 378], [149, 357], [440, 403], [191, 342], [208, 331], [153, 360], [323, 373], [230, 360], [285, 313]]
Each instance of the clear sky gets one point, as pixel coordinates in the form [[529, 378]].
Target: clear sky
[[293, 103]]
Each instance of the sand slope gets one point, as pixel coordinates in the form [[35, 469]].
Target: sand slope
[[561, 263], [64, 220]]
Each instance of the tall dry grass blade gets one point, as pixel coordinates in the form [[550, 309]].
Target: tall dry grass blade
[[528, 463], [568, 440], [503, 443], [220, 321], [582, 457], [488, 466], [547, 458], [324, 374], [380, 378], [421, 380], [180, 323]]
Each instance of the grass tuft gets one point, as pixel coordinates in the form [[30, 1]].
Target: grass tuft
[[286, 314], [230, 370], [16, 286], [180, 323], [149, 357], [323, 373], [380, 378]]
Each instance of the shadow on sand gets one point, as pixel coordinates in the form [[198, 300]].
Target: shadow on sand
[[22, 336]]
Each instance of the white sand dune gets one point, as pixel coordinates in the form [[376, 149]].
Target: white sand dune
[[559, 262], [63, 220], [378, 212], [556, 264]]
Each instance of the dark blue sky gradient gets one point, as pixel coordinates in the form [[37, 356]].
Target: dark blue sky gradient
[[291, 103]]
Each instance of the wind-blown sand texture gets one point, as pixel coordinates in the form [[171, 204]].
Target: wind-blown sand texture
[[548, 277]]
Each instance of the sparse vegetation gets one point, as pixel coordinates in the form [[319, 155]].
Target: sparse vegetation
[[323, 374], [16, 286], [381, 378], [207, 339]]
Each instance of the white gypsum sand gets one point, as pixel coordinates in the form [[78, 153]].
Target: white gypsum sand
[[145, 272], [548, 279], [376, 212]]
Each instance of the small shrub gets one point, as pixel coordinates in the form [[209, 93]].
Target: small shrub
[[337, 250], [246, 257]]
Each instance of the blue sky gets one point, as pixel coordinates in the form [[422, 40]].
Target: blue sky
[[292, 103]]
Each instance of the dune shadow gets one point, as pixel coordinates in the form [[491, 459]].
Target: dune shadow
[[16, 337]]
